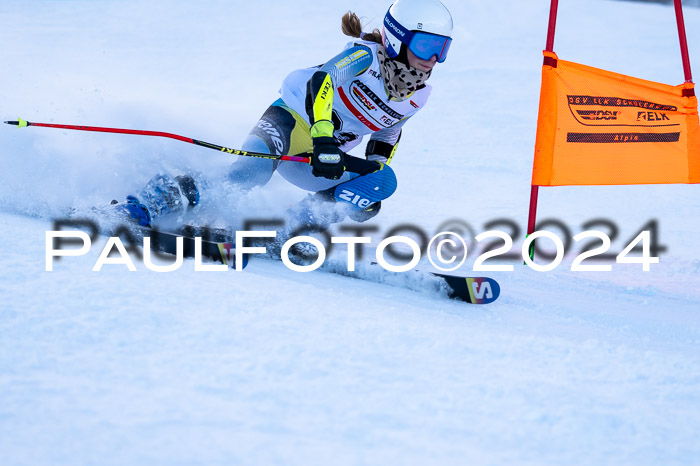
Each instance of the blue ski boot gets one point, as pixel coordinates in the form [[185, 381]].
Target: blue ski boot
[[137, 212], [161, 196]]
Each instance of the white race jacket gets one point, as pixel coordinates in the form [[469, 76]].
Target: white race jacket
[[361, 104]]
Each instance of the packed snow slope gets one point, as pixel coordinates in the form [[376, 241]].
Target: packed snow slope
[[271, 366]]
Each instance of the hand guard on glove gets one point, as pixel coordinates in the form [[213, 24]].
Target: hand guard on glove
[[327, 161]]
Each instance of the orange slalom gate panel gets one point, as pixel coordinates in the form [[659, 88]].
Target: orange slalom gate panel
[[596, 127]]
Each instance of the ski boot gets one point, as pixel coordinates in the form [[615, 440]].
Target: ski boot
[[367, 213], [162, 195], [316, 212], [312, 216]]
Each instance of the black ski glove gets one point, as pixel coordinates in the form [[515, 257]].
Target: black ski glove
[[327, 160]]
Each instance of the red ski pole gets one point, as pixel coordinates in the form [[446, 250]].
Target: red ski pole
[[290, 158]]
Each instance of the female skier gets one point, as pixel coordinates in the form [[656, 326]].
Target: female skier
[[372, 87]]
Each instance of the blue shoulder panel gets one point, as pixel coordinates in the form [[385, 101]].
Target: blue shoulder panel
[[348, 64]]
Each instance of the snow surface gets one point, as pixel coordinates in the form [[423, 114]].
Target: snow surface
[[270, 366]]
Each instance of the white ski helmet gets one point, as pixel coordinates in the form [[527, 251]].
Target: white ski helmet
[[425, 26]]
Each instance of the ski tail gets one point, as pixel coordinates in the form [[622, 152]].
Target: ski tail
[[474, 290]]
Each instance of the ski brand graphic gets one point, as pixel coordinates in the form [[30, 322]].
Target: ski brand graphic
[[590, 110], [353, 198], [482, 290], [475, 290], [363, 100], [485, 290]]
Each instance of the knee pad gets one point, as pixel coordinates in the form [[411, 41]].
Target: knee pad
[[365, 190]]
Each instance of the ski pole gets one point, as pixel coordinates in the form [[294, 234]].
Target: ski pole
[[290, 158]]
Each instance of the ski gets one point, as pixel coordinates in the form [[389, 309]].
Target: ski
[[220, 247], [215, 246], [473, 290]]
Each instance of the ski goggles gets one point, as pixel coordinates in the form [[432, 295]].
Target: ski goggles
[[425, 45]]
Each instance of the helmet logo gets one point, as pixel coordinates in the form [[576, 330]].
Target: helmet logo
[[420, 25], [394, 27]]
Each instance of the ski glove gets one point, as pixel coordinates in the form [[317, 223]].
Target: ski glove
[[327, 161]]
